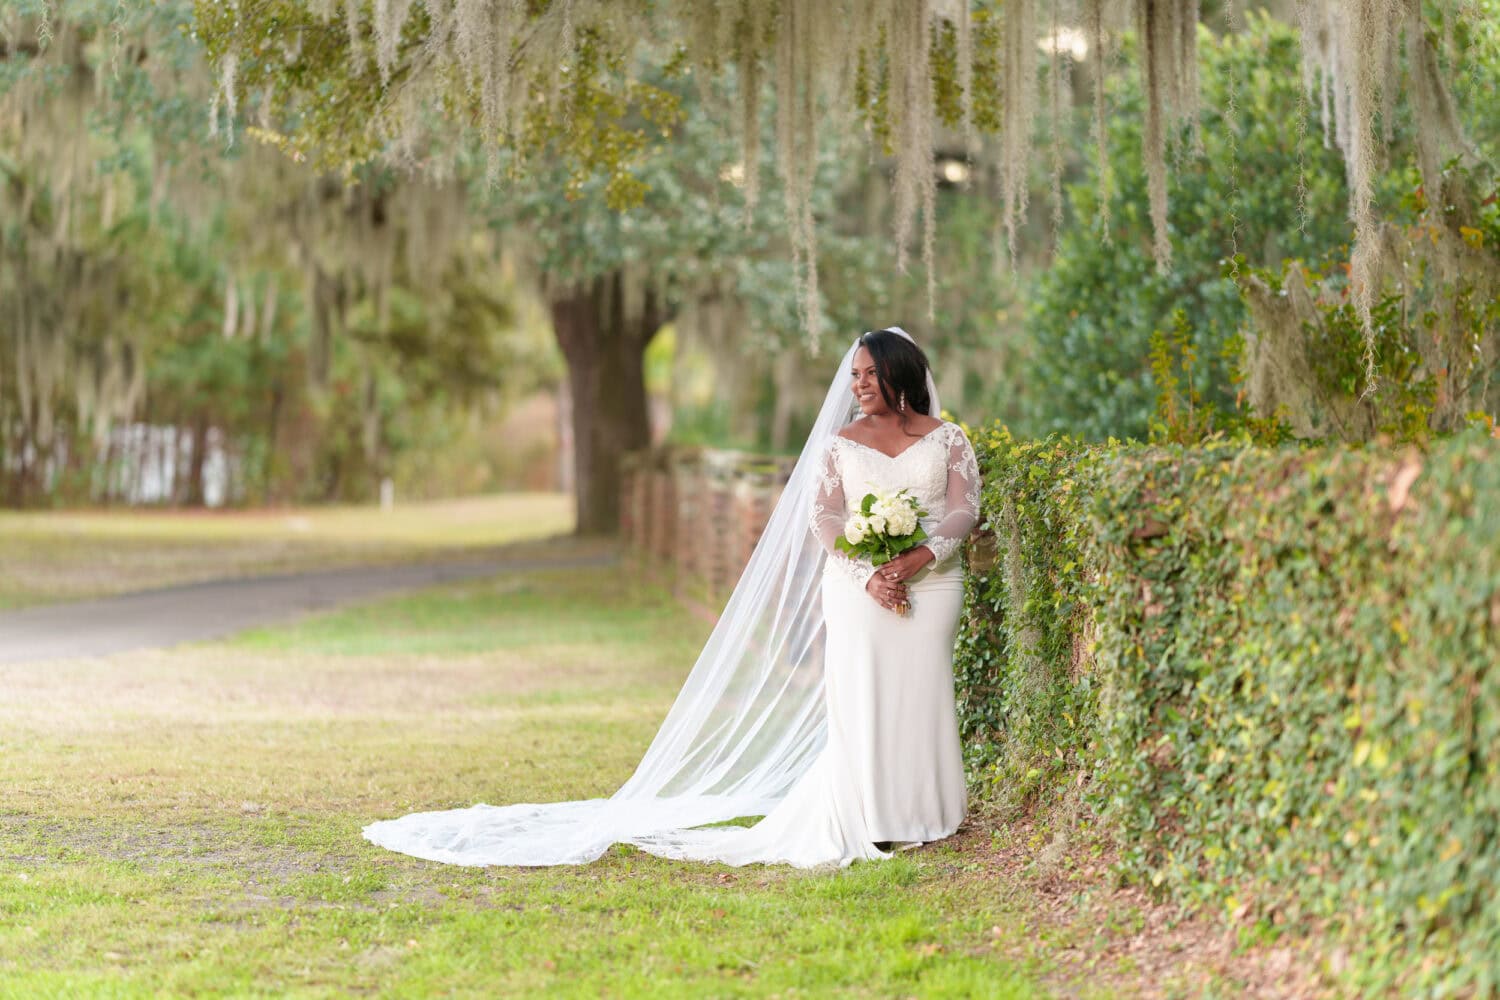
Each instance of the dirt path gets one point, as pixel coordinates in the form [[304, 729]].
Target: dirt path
[[199, 611]]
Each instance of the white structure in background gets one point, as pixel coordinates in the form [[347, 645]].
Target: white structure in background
[[145, 462]]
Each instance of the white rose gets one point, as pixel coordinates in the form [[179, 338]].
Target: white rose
[[902, 523], [856, 528], [876, 522]]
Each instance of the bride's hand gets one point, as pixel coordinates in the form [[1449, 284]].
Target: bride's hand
[[906, 565], [887, 593]]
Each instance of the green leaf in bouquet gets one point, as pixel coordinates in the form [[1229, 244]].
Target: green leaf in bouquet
[[866, 504]]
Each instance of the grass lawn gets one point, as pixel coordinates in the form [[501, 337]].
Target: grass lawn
[[187, 822], [60, 555]]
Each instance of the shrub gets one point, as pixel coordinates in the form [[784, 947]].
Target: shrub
[[1274, 672], [1026, 701]]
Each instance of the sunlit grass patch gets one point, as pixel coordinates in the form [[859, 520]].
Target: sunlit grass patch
[[188, 821], [625, 927], [496, 519], [574, 608]]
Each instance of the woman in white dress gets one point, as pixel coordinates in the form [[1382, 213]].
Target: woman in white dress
[[892, 769], [824, 699]]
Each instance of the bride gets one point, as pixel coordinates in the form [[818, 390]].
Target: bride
[[823, 699]]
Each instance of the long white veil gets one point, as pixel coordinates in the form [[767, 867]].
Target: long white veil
[[746, 725]]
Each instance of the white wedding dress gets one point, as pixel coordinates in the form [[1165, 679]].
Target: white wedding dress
[[810, 704], [892, 767]]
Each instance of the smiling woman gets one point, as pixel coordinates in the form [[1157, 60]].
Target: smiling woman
[[816, 703]]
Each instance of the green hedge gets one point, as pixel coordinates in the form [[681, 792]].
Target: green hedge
[[1273, 675]]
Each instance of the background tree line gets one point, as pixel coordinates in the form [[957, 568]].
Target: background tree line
[[249, 311]]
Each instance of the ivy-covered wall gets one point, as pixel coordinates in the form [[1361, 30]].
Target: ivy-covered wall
[[1273, 677]]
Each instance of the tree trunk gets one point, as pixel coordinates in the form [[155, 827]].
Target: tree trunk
[[604, 348], [196, 496], [267, 462]]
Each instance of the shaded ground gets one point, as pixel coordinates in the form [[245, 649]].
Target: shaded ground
[[48, 556]]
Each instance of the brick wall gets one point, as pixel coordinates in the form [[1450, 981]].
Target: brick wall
[[691, 516]]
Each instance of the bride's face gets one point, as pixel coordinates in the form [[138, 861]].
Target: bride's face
[[865, 384]]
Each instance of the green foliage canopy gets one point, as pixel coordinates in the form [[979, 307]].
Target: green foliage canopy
[[1091, 314]]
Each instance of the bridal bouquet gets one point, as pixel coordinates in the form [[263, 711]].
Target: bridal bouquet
[[885, 527]]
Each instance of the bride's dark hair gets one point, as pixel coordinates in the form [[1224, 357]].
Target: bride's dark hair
[[901, 368]]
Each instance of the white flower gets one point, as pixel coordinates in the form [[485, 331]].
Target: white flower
[[856, 528], [876, 522], [902, 522]]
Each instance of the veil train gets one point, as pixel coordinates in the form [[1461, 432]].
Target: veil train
[[746, 725]]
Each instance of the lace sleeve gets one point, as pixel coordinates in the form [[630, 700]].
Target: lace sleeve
[[827, 521], [947, 535]]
